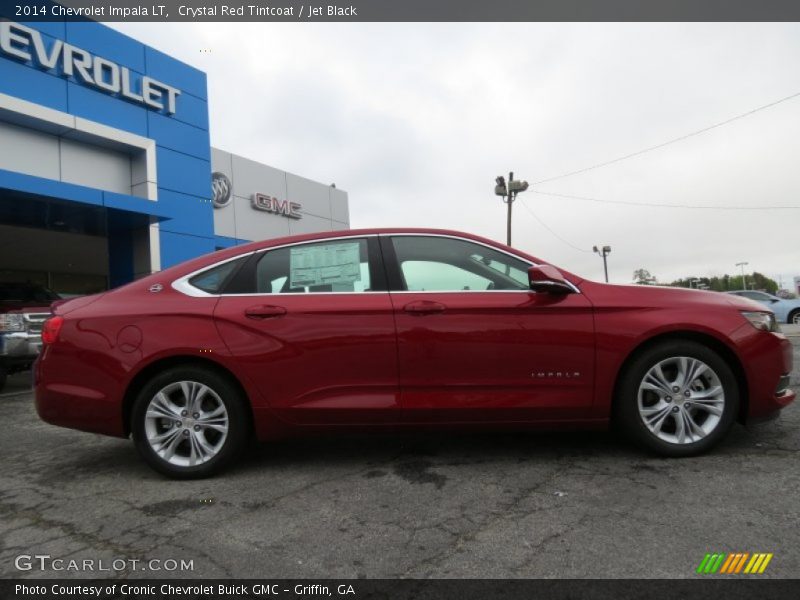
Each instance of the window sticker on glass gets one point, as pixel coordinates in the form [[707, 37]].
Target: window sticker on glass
[[325, 264]]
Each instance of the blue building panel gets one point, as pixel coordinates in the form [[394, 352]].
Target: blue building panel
[[187, 214], [191, 110], [178, 247], [29, 83], [49, 188], [55, 29], [179, 136], [108, 43], [183, 163], [173, 72], [134, 204], [95, 105], [223, 241], [178, 172]]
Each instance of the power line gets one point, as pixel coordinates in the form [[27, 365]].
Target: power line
[[667, 143], [665, 205], [543, 224]]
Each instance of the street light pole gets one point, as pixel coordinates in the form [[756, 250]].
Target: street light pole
[[744, 277], [509, 194], [510, 203], [604, 252]]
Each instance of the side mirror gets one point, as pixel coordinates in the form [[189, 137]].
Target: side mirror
[[548, 279]]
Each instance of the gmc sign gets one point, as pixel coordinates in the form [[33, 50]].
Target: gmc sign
[[279, 207]]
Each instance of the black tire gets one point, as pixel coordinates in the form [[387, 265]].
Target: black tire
[[237, 414], [791, 317], [627, 416], [3, 378]]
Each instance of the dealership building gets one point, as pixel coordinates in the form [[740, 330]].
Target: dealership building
[[106, 167]]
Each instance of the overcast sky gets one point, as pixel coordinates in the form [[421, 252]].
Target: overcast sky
[[416, 120]]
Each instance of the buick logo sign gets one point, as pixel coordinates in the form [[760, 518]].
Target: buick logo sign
[[221, 189]]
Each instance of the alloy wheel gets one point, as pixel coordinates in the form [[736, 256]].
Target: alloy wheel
[[186, 423], [681, 400]]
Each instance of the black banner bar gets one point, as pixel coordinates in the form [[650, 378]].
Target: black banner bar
[[402, 589], [403, 10]]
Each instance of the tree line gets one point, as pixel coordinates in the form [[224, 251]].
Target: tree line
[[725, 283]]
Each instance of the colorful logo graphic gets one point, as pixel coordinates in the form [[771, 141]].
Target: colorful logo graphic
[[734, 563]]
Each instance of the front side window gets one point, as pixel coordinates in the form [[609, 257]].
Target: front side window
[[442, 264], [335, 266]]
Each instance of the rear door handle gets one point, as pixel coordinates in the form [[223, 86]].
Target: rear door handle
[[264, 311], [424, 307]]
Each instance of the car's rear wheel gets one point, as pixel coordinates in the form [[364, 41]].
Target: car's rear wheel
[[678, 398], [189, 422], [794, 318], [3, 377]]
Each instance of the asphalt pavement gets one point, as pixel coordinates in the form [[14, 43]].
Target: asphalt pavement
[[419, 505]]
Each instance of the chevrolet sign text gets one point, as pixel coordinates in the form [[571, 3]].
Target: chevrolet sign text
[[26, 44]]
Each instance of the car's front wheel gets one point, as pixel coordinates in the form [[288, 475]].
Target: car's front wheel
[[677, 398], [189, 422]]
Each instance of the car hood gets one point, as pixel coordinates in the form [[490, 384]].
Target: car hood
[[655, 296]]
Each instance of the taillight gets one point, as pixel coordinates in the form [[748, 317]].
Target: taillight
[[51, 328]]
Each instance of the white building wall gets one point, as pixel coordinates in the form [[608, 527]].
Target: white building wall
[[41, 154], [324, 208]]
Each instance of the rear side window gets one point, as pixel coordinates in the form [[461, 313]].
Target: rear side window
[[213, 280], [335, 266]]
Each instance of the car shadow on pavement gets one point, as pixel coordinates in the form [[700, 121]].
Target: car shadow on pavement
[[107, 457]]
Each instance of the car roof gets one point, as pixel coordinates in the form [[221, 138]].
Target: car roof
[[319, 236]]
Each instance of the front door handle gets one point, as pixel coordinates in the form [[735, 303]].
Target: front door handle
[[264, 311], [424, 307]]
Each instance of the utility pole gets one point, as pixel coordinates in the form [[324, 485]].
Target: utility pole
[[509, 194], [604, 252], [744, 277]]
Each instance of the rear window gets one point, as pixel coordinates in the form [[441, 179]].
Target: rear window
[[213, 280]]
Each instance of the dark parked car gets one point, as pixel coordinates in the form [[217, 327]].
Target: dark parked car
[[24, 307], [377, 329]]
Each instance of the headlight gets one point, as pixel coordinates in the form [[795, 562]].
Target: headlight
[[764, 321], [11, 322]]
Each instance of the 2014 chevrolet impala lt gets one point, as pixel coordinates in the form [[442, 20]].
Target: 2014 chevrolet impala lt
[[400, 328]]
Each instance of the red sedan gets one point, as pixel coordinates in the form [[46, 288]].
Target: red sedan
[[400, 328]]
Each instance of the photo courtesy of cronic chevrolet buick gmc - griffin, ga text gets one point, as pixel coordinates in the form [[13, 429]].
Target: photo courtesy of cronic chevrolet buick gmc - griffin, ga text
[[386, 329]]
